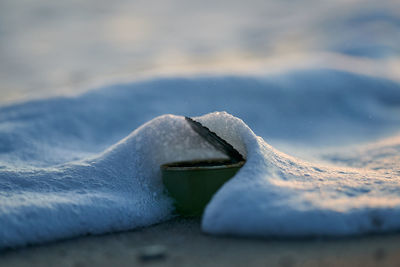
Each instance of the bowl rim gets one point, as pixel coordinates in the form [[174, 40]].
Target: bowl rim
[[223, 164]]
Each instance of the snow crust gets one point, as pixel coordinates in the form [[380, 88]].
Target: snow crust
[[71, 166]]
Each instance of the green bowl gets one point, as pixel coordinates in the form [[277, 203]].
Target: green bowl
[[193, 183]]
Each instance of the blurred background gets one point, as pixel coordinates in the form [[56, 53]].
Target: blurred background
[[62, 47]]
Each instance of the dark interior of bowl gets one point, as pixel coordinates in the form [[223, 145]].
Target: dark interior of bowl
[[200, 163]]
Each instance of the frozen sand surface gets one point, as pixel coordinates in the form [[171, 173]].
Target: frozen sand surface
[[117, 187]]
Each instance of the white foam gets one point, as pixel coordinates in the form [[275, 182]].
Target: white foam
[[62, 176], [278, 195], [117, 190]]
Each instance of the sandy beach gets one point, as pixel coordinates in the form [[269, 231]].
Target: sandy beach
[[316, 81], [180, 242]]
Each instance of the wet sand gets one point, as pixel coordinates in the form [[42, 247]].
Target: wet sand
[[180, 242]]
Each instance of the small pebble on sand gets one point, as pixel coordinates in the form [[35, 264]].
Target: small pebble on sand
[[153, 252]]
